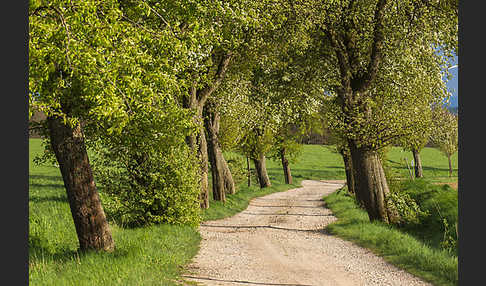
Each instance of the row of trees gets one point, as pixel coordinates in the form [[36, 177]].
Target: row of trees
[[159, 88]]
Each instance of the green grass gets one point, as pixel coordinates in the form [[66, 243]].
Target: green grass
[[316, 162], [143, 256], [434, 164], [440, 202], [399, 248], [155, 255]]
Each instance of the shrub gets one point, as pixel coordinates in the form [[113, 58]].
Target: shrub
[[407, 209], [144, 184], [440, 202]]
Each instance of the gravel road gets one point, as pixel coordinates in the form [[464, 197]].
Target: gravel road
[[279, 240]]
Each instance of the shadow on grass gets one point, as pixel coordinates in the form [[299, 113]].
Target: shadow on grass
[[401, 166], [56, 179], [312, 174], [47, 186], [39, 252], [48, 199]]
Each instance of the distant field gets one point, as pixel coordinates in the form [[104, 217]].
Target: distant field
[[320, 162]]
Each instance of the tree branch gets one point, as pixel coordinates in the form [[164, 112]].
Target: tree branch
[[376, 50], [217, 79]]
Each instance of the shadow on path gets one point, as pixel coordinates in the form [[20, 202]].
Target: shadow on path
[[287, 214], [242, 282], [266, 226]]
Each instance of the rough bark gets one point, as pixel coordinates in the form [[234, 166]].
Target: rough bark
[[229, 182], [203, 155], [450, 165], [89, 218], [216, 166], [248, 170], [198, 142], [286, 167], [221, 175], [262, 174], [371, 186], [196, 100], [418, 164], [348, 168]]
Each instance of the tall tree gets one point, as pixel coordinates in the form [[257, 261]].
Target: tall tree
[[373, 47], [68, 73]]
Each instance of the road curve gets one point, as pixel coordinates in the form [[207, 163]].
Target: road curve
[[279, 240]]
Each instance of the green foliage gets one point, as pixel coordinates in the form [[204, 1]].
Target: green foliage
[[146, 172], [147, 182], [408, 210], [237, 166], [444, 131]]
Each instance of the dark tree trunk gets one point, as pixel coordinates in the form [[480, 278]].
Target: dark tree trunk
[[262, 174], [203, 155], [89, 218], [418, 164], [248, 170], [216, 171], [348, 168], [450, 165], [371, 186], [196, 101], [286, 167]]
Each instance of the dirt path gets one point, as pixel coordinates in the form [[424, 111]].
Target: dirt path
[[278, 240]]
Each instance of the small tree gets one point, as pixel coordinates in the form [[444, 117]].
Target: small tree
[[444, 133]]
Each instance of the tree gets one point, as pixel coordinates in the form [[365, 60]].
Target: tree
[[373, 47], [414, 143], [214, 33], [444, 133], [68, 73]]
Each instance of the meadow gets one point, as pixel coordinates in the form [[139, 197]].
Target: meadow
[[156, 255]]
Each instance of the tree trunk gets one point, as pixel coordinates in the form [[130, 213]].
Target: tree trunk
[[286, 167], [216, 170], [248, 170], [348, 168], [371, 186], [198, 142], [450, 165], [89, 218], [221, 175], [203, 155], [229, 182], [418, 164], [261, 169]]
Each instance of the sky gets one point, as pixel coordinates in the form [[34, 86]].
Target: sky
[[452, 83]]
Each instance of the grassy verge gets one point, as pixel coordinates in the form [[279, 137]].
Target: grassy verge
[[399, 248]]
